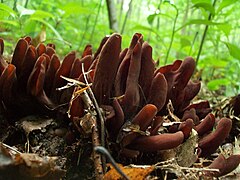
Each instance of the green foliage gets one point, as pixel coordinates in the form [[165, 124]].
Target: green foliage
[[233, 50], [174, 30], [217, 83], [207, 6]]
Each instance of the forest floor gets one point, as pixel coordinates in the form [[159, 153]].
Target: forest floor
[[40, 147]]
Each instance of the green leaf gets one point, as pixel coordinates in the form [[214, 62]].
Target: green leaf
[[30, 27], [10, 22], [185, 42], [146, 28], [217, 83], [7, 9], [213, 62], [200, 1], [23, 11], [206, 6], [48, 25], [225, 28], [151, 17], [224, 4], [42, 14], [233, 50], [76, 8], [200, 22]]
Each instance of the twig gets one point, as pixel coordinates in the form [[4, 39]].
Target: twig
[[9, 147], [99, 170], [102, 120], [172, 166], [89, 122], [171, 111]]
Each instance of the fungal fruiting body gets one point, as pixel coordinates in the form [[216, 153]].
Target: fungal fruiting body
[[135, 96]]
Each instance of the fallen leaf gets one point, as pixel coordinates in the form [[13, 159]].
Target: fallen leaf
[[27, 166], [30, 124], [133, 173]]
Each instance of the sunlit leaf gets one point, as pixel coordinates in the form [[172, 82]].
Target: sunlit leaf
[[200, 22], [225, 28], [185, 42], [200, 1], [206, 6], [10, 22], [145, 28], [42, 14], [224, 4], [48, 25], [151, 17], [76, 8], [31, 27], [24, 11], [233, 50], [217, 83], [213, 62], [4, 7]]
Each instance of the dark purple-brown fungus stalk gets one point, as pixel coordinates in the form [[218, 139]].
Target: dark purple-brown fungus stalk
[[132, 92]]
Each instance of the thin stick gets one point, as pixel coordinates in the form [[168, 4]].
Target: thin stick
[[99, 170], [9, 147], [102, 120]]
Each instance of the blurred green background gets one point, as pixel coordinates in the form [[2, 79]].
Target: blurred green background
[[204, 29]]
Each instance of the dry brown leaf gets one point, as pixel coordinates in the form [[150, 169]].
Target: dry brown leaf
[[133, 173], [27, 166], [185, 153], [31, 123]]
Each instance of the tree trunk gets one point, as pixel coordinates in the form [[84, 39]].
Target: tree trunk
[[112, 16]]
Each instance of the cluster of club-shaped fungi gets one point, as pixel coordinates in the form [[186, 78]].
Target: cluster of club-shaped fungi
[[135, 96]]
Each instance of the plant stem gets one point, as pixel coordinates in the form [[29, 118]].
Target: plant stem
[[204, 35], [193, 42], [15, 5], [120, 13], [96, 19], [173, 34], [26, 3], [159, 10], [85, 31], [127, 15]]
